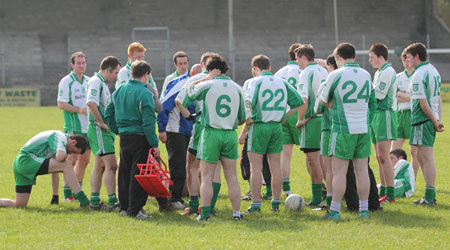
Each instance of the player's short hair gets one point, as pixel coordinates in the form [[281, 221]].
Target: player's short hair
[[403, 55], [379, 49], [217, 62], [136, 47], [81, 142], [75, 55], [205, 57], [332, 61], [179, 54], [109, 62], [345, 51], [306, 50], [292, 49], [417, 49], [261, 61], [140, 68], [399, 153]]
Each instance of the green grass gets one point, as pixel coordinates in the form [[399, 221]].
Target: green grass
[[41, 225]]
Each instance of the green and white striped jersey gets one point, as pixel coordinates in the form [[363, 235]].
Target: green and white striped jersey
[[320, 109], [184, 99], [45, 144], [73, 91], [290, 73], [404, 176], [223, 102], [350, 89], [385, 88], [403, 84], [426, 83], [125, 75], [98, 93], [269, 97], [310, 79]]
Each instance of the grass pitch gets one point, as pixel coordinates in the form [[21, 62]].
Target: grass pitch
[[41, 225]]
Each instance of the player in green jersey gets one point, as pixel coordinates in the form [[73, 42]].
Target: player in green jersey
[[426, 115], [100, 137], [384, 124], [46, 153]]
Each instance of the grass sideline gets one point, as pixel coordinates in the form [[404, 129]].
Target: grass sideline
[[41, 225]]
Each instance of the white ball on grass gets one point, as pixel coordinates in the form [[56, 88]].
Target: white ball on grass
[[294, 202]]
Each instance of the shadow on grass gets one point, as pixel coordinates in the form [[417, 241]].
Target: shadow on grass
[[408, 220]]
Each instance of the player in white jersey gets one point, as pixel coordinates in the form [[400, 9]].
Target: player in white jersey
[[192, 163], [43, 154], [310, 123], [384, 124], [290, 73], [100, 137], [225, 102], [181, 63], [404, 110], [267, 98], [426, 115], [348, 91], [72, 100], [136, 51]]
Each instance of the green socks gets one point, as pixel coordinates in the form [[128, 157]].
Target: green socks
[[80, 196], [390, 193], [382, 190], [268, 193], [255, 206], [193, 203], [316, 194], [95, 198], [276, 203], [67, 191], [216, 191], [430, 193], [205, 212], [286, 186], [112, 199], [328, 200]]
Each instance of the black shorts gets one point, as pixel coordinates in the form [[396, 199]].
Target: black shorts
[[309, 150], [42, 170]]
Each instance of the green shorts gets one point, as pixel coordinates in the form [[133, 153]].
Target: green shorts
[[290, 131], [217, 143], [423, 134], [384, 126], [350, 146], [325, 141], [85, 135], [265, 138], [310, 133], [195, 137], [25, 168], [101, 141], [404, 124]]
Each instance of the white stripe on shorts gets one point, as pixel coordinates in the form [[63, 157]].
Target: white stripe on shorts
[[98, 131], [388, 125], [303, 137], [250, 137], [333, 144], [200, 147]]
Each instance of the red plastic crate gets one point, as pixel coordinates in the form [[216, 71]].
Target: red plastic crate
[[153, 178]]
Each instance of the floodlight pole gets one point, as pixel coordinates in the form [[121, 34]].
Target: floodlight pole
[[336, 32], [231, 39]]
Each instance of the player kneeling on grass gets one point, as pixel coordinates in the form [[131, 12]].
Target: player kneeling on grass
[[225, 102], [349, 92], [268, 97], [46, 153], [404, 178]]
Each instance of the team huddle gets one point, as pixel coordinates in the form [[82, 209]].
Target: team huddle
[[331, 109]]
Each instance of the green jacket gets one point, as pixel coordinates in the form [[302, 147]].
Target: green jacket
[[132, 111]]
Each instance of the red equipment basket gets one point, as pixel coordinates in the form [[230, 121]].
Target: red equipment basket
[[153, 178]]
